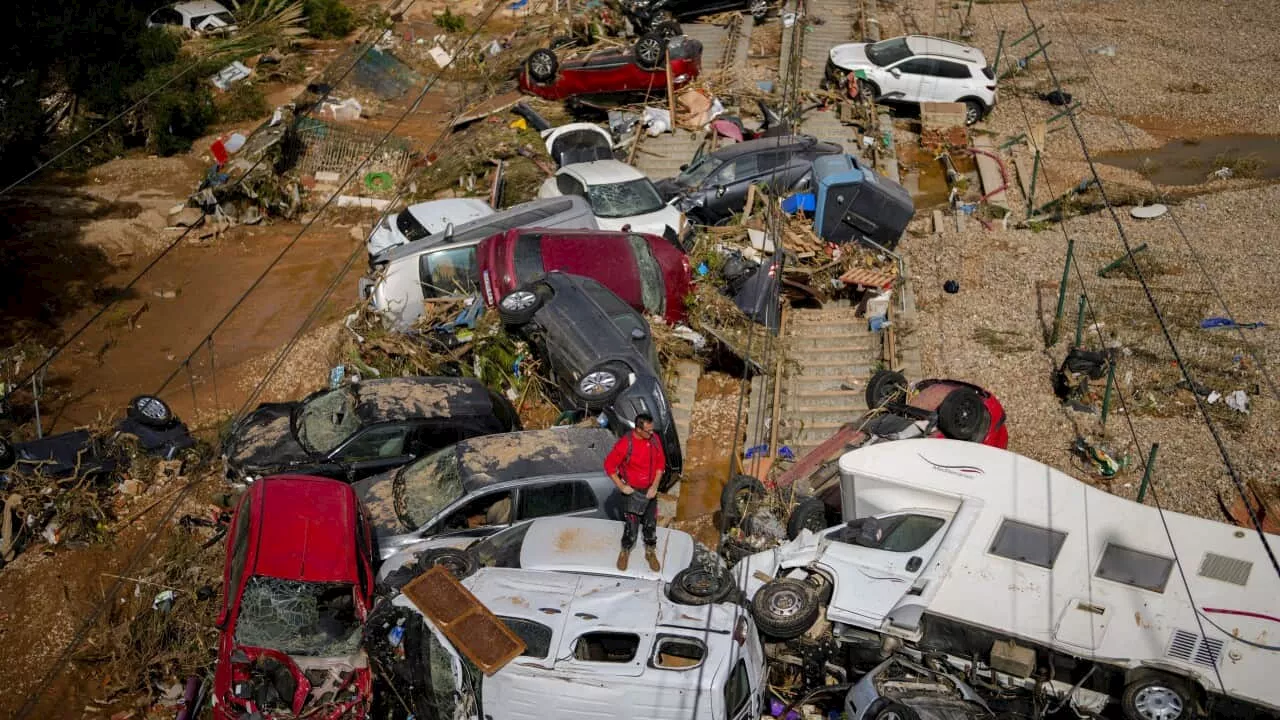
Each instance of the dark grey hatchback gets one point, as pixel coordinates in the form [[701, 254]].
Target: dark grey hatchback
[[599, 351], [713, 187]]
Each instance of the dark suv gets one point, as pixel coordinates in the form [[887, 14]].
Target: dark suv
[[714, 185], [599, 352]]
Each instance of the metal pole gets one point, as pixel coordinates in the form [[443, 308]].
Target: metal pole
[[1031, 190], [35, 393], [1062, 293], [1146, 474], [1106, 395], [1079, 321]]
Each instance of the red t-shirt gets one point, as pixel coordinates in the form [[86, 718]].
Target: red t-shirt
[[642, 468]]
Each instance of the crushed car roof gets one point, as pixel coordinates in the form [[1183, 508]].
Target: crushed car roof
[[405, 398], [491, 459]]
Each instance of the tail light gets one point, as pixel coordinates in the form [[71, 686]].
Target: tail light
[[740, 631]]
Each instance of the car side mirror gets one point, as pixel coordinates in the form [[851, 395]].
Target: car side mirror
[[719, 191], [895, 72], [448, 232]]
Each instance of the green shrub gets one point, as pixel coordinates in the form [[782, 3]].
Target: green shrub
[[244, 101], [449, 22], [176, 117], [328, 18]]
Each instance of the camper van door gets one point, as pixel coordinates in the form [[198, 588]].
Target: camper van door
[[881, 565]]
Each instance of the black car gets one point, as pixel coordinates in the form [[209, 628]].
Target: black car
[[658, 10], [600, 353], [714, 186], [364, 428]]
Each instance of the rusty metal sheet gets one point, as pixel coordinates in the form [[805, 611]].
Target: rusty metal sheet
[[475, 631]]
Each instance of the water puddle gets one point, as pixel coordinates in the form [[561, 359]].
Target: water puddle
[[1193, 161]]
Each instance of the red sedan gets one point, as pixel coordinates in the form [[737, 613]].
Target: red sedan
[[646, 271], [296, 590], [639, 69]]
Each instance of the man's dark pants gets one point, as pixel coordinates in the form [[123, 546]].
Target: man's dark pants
[[637, 509]]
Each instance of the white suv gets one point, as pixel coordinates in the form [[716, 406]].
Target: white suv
[[917, 69]]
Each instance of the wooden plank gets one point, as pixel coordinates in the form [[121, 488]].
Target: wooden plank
[[989, 172], [475, 631], [488, 107]]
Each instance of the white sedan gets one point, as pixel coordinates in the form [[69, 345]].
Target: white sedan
[[621, 197]]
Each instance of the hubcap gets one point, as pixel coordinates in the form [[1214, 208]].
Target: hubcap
[[519, 300], [971, 114], [151, 408], [701, 583], [758, 7], [541, 66], [598, 383], [891, 715], [785, 603], [648, 51], [1157, 702]]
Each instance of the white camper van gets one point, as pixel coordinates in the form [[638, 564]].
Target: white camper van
[[1028, 577]]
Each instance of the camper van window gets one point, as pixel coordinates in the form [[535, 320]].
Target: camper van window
[[899, 533], [1027, 543], [674, 653], [1134, 567], [737, 692], [536, 636], [610, 647]]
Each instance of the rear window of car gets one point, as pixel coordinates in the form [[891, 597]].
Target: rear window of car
[[528, 258], [988, 73], [653, 291]]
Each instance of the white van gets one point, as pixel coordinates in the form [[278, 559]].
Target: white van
[[402, 277], [991, 558], [596, 647]]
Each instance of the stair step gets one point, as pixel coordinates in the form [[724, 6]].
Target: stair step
[[818, 357], [855, 399], [822, 383], [838, 369], [828, 341], [833, 327]]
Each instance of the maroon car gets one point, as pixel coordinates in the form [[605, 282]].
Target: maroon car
[[646, 271], [640, 69]]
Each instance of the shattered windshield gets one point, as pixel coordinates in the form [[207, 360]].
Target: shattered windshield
[[422, 490], [624, 199], [409, 226], [327, 419], [693, 175], [888, 52], [444, 680], [299, 618], [501, 549]]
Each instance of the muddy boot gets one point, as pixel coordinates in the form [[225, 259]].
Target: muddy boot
[[623, 557], [652, 557]]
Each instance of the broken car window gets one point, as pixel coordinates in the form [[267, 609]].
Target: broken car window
[[409, 226], [447, 273], [624, 199], [653, 291], [444, 681], [299, 618], [422, 490], [536, 636], [888, 52], [327, 419], [501, 549], [612, 647], [693, 175]]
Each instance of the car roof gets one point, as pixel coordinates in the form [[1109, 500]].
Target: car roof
[[200, 7], [505, 457], [499, 222], [306, 529], [590, 546], [406, 398], [937, 47], [776, 142], [602, 172], [425, 212]]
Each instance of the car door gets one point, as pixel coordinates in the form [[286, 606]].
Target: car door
[[913, 80], [548, 499], [953, 82], [373, 450], [874, 573], [729, 184]]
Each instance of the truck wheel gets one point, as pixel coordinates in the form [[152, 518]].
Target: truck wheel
[[963, 416], [1156, 696], [810, 514], [150, 411], [699, 586], [884, 387], [650, 51], [784, 608], [542, 65], [736, 499]]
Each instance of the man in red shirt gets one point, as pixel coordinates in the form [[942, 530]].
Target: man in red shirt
[[634, 464]]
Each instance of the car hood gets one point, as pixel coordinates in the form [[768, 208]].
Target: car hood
[[669, 188], [263, 442], [654, 223], [376, 494], [851, 56]]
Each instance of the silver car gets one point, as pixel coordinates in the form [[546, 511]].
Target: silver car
[[484, 484], [898, 689]]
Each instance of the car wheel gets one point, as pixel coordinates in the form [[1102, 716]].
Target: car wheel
[[8, 455], [600, 384], [963, 416], [1157, 696], [668, 29], [519, 306], [651, 51], [542, 65], [460, 563], [973, 111], [759, 10], [868, 89], [810, 514], [885, 709], [737, 499], [699, 586], [886, 386], [785, 608], [150, 411]]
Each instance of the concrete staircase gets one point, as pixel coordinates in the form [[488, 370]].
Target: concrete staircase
[[831, 354], [837, 27]]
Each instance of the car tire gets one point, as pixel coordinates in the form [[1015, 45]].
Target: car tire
[[886, 386], [518, 307], [650, 51], [542, 66], [869, 89], [810, 514], [699, 586], [8, 455], [785, 608], [759, 10], [1157, 696], [606, 378], [668, 29], [460, 563], [963, 416], [737, 497], [886, 709], [973, 111], [151, 411]]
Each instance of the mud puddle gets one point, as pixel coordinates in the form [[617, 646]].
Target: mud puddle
[[1191, 161], [708, 455]]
